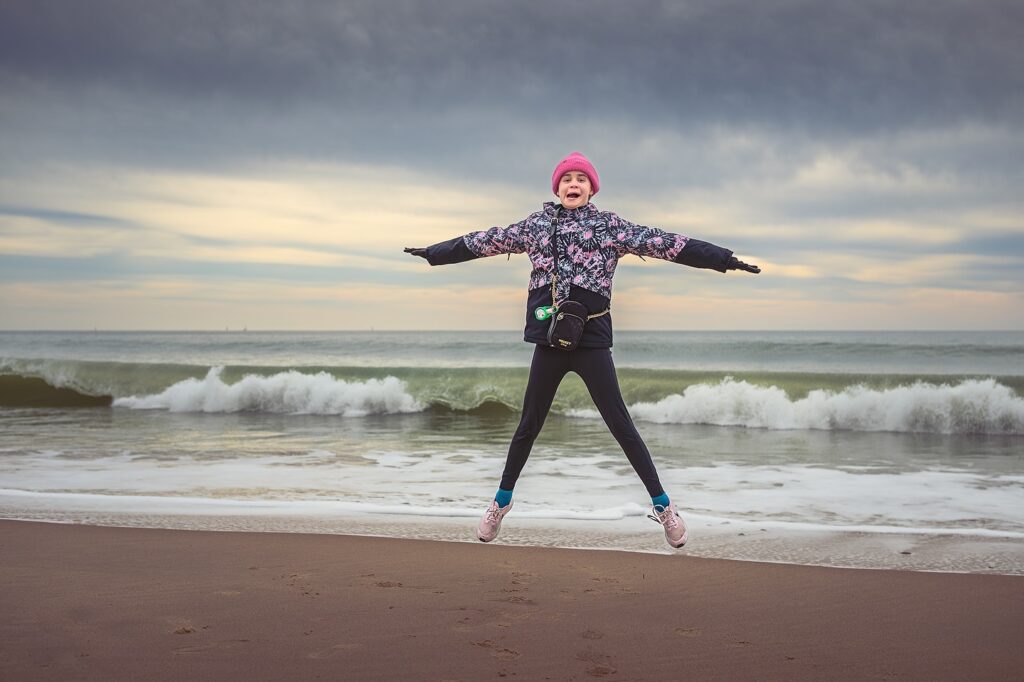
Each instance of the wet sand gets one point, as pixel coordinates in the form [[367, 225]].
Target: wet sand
[[94, 603]]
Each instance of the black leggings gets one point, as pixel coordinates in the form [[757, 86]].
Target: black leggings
[[595, 367]]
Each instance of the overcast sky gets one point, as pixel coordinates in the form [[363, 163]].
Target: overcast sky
[[168, 165]]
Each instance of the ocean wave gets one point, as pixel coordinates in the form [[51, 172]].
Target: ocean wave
[[947, 405], [969, 407], [47, 378], [20, 391], [289, 392]]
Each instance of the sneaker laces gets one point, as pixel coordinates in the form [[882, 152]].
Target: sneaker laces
[[665, 517], [493, 513]]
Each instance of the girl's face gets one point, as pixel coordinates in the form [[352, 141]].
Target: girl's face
[[574, 189]]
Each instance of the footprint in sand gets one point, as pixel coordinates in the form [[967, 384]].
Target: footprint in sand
[[520, 578], [496, 650], [183, 626], [300, 581], [601, 663], [470, 618]]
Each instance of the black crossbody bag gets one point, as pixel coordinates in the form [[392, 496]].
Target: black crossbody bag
[[567, 320]]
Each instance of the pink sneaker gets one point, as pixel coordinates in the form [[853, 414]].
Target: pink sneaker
[[675, 527], [490, 524]]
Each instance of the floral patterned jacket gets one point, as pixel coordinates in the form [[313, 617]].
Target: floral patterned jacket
[[590, 243]]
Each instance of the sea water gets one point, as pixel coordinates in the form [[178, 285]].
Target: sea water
[[867, 449]]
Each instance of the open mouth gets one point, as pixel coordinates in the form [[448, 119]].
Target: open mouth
[[572, 195]]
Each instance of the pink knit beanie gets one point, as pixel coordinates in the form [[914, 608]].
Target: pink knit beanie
[[575, 162]]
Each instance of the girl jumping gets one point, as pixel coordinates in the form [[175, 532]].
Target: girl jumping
[[574, 248]]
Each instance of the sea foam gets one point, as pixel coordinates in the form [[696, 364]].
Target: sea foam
[[972, 406], [285, 392]]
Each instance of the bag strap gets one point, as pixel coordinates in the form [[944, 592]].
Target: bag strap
[[554, 274], [554, 256]]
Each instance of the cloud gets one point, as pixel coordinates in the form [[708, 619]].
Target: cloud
[[436, 84], [855, 150], [358, 208], [796, 61]]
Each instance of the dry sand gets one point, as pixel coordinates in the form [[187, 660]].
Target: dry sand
[[82, 602]]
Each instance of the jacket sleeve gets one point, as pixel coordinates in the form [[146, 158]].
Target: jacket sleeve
[[698, 254], [449, 252], [640, 240], [492, 242]]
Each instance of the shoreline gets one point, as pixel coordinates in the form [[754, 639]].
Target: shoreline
[[959, 553], [93, 602]]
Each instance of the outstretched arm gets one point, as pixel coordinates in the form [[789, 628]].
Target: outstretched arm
[[497, 240], [653, 242], [701, 254], [444, 253]]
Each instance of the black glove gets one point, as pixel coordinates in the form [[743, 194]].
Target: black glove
[[736, 264], [422, 253]]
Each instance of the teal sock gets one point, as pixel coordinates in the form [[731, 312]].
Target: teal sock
[[661, 500], [503, 497]]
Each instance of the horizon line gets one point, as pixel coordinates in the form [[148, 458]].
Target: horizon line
[[244, 330]]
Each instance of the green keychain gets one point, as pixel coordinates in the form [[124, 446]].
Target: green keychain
[[544, 312]]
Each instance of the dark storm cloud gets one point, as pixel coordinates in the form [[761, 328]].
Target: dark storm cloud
[[452, 87], [818, 65]]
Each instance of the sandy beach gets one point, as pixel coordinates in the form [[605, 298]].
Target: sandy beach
[[84, 602]]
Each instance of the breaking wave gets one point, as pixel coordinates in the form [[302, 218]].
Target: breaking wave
[[287, 392], [970, 407], [910, 404]]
